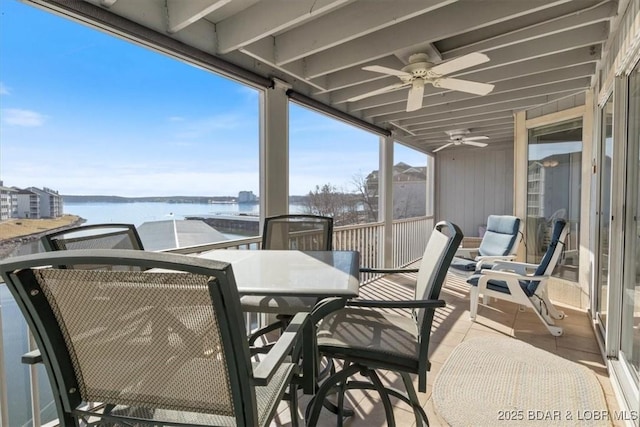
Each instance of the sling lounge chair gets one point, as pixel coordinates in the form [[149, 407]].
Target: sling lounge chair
[[524, 283], [499, 243]]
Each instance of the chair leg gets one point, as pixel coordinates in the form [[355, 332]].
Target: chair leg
[[551, 309], [540, 308], [316, 404], [293, 404], [384, 396], [418, 412], [473, 302]]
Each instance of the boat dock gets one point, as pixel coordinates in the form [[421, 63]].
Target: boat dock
[[237, 224]]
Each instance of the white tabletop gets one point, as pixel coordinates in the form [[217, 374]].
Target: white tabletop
[[292, 273]]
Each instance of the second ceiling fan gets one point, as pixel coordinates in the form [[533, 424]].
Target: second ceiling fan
[[459, 137], [420, 71]]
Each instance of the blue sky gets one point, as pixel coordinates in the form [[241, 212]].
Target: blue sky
[[84, 112]]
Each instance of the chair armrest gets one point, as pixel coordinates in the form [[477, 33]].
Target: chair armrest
[[504, 275], [495, 257], [326, 306], [263, 373], [32, 358], [388, 270], [512, 280], [519, 267], [427, 303]]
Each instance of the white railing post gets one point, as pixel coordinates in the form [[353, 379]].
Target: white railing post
[[385, 200]]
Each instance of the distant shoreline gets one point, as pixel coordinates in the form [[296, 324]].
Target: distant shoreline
[[166, 199], [152, 199]]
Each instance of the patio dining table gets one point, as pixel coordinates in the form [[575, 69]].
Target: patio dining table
[[279, 273]]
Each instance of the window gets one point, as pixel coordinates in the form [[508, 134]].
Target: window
[[123, 133], [333, 168], [410, 183]]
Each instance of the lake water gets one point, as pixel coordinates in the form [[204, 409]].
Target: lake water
[[138, 213]]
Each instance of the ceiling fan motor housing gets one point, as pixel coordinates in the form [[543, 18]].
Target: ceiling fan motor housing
[[457, 135]]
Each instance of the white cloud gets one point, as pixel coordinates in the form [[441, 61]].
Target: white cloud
[[4, 90], [18, 117]]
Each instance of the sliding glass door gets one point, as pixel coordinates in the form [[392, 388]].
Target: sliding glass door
[[630, 330], [553, 191], [604, 212]]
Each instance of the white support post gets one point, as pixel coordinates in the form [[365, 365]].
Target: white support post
[[274, 151], [385, 200]]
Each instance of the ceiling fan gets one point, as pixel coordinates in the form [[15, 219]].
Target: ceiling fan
[[458, 137], [420, 71]]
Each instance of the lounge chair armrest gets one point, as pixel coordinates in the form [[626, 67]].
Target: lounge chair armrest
[[504, 275], [282, 348], [32, 358], [388, 270], [495, 258], [430, 303], [519, 267]]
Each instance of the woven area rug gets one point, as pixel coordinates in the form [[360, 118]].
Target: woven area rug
[[503, 381]]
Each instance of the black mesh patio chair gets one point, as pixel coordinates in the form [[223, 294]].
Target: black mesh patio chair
[[164, 346], [367, 338], [288, 232], [94, 236]]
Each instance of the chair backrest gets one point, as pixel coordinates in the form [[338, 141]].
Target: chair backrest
[[560, 230], [298, 232], [441, 247], [172, 338], [95, 236], [501, 237]]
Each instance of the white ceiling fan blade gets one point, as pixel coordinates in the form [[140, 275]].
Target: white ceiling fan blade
[[378, 91], [464, 86], [414, 98], [475, 138], [386, 70], [442, 147], [460, 63], [475, 144]]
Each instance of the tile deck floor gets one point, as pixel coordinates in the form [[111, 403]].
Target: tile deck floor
[[452, 326]]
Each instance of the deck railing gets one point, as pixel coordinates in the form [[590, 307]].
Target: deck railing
[[25, 398]]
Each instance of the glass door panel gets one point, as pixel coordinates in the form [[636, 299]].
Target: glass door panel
[[553, 191], [604, 211], [630, 332]]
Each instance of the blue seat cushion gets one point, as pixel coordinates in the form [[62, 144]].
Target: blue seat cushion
[[501, 235], [500, 285]]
